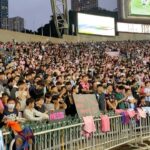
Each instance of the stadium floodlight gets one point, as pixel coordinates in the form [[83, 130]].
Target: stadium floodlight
[[60, 15]]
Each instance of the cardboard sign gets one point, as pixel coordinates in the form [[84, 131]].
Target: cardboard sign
[[1, 141], [113, 54], [57, 115], [86, 105]]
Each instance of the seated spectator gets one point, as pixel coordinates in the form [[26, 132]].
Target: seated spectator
[[5, 98], [48, 103], [37, 90], [32, 114], [58, 102], [142, 102], [54, 90], [10, 112], [14, 87], [39, 105], [18, 107]]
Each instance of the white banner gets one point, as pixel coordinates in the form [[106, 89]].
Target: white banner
[[113, 54], [133, 28]]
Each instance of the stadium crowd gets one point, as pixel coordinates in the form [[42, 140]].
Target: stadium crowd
[[37, 79]]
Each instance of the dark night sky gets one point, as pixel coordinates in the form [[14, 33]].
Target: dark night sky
[[37, 12]]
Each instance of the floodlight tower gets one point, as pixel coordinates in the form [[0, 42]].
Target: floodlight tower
[[60, 14]]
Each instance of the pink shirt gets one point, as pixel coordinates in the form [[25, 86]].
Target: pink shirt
[[105, 123], [85, 86], [89, 125], [119, 111], [131, 113], [141, 113]]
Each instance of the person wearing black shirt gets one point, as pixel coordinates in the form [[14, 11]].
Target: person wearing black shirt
[[71, 109], [10, 112], [100, 96], [110, 98], [39, 105]]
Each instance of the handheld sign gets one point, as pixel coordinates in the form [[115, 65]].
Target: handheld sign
[[57, 115], [86, 105]]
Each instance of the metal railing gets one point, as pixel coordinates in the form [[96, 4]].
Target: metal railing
[[67, 135]]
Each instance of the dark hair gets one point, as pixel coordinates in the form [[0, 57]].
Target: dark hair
[[58, 83], [20, 83], [53, 87], [99, 85], [74, 87], [142, 97], [40, 83], [5, 94], [39, 98], [29, 101], [68, 83], [11, 99], [140, 100], [1, 73], [55, 97], [47, 95]]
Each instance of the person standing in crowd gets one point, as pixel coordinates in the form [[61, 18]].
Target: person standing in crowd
[[130, 100], [84, 86], [120, 97], [71, 108], [48, 103], [100, 96], [22, 94], [110, 98], [147, 92]]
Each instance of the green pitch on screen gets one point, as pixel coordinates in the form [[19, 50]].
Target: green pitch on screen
[[140, 7]]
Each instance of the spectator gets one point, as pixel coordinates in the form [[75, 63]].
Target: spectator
[[142, 102], [22, 94], [110, 98], [100, 96], [58, 102], [120, 97], [48, 103], [32, 114], [84, 86], [5, 98], [147, 91], [131, 101], [39, 105], [10, 112]]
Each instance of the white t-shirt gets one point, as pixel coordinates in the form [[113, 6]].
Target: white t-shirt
[[147, 91]]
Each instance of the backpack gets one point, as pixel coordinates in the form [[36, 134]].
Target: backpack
[[24, 139]]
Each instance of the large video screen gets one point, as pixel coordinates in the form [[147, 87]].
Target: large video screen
[[96, 25], [140, 7]]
